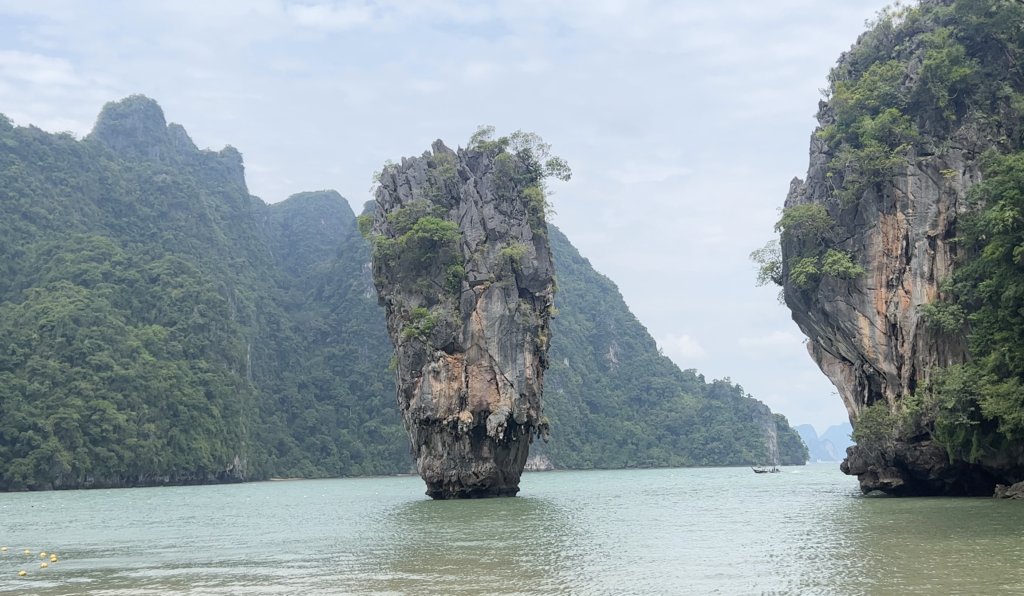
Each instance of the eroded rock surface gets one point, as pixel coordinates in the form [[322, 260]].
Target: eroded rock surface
[[1014, 491], [463, 268]]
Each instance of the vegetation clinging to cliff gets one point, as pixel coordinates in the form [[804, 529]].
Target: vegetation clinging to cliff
[[814, 234], [882, 102], [986, 395], [916, 75], [522, 164]]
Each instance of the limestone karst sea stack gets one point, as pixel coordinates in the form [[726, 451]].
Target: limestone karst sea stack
[[900, 252], [462, 265]]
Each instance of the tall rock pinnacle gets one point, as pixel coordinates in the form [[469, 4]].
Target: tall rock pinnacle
[[463, 268]]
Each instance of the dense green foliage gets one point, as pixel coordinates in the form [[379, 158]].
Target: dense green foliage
[[158, 321], [159, 324], [615, 401], [423, 239], [812, 233], [919, 73], [981, 405]]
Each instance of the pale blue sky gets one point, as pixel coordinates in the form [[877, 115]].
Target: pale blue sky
[[683, 121]]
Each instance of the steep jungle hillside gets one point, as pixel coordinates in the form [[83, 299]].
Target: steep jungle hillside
[[900, 254], [615, 401], [156, 323], [160, 325]]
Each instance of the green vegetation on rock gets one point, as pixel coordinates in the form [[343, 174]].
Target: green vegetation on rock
[[981, 404], [813, 234]]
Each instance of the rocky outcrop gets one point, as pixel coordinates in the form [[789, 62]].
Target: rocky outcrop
[[539, 463], [866, 332], [916, 466], [1015, 491], [463, 268], [765, 421]]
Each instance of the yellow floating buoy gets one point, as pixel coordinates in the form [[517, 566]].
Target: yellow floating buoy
[[53, 558], [3, 548], [44, 565], [28, 552], [22, 573], [42, 554]]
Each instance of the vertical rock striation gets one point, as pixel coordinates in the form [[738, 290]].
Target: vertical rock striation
[[867, 334], [463, 268]]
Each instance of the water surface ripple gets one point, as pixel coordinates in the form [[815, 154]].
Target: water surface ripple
[[629, 532]]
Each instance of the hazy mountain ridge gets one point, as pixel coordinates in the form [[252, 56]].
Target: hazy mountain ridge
[[830, 446]]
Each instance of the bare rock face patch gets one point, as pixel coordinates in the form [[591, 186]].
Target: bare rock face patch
[[463, 268]]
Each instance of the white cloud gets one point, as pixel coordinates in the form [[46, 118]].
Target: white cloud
[[426, 85], [683, 346], [479, 70], [285, 65], [37, 69], [777, 340], [633, 172], [331, 17]]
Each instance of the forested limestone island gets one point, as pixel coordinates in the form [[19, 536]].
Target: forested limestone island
[[463, 268], [160, 325], [900, 255]]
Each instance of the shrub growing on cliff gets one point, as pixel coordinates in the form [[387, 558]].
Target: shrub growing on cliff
[[811, 230], [943, 317], [870, 133], [985, 400], [875, 428], [522, 163], [945, 78], [421, 322], [769, 264], [422, 236]]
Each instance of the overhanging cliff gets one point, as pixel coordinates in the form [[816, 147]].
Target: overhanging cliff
[[872, 240]]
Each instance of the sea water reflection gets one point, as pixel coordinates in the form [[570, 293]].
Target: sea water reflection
[[642, 532], [493, 546]]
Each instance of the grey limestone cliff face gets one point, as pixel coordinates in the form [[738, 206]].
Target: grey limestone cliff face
[[866, 333], [762, 415], [464, 272]]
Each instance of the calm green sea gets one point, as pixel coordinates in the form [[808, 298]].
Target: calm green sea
[[649, 532]]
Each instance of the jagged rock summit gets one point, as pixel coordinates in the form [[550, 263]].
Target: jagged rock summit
[[463, 268]]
